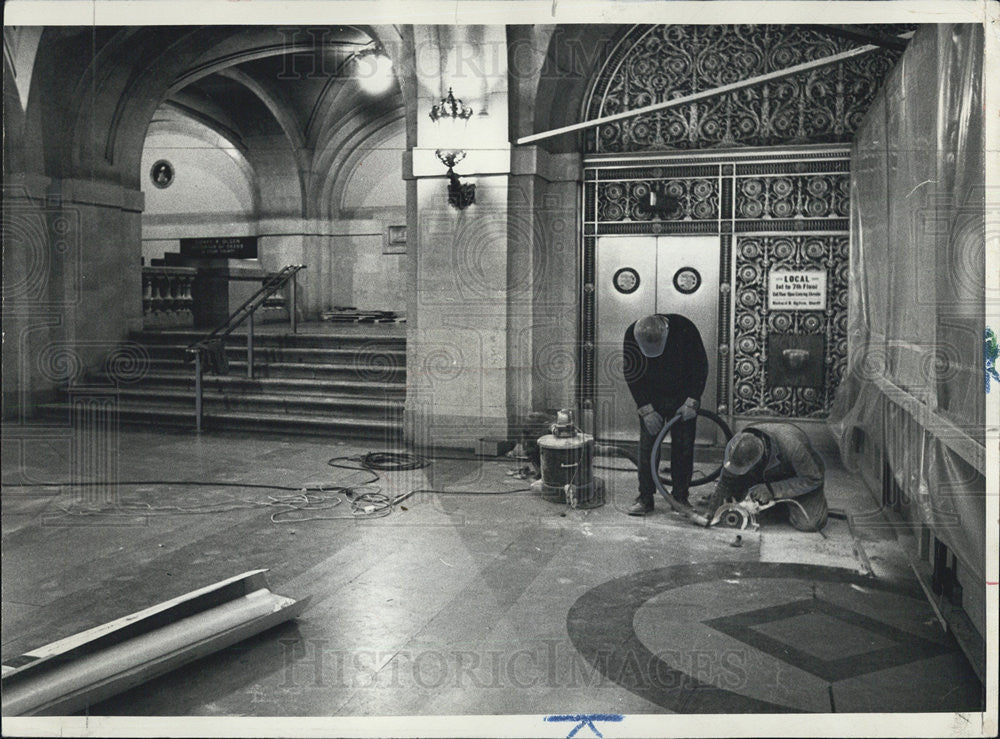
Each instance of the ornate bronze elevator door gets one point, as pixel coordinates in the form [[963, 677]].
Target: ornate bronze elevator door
[[639, 275]]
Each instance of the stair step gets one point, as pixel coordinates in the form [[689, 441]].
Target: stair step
[[239, 383], [332, 380], [345, 426], [290, 403], [357, 356], [184, 339], [288, 372]]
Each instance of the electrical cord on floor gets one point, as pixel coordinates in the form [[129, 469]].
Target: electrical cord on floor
[[397, 461], [805, 515], [393, 461], [338, 462], [402, 461], [137, 483], [404, 496], [304, 499], [366, 499]]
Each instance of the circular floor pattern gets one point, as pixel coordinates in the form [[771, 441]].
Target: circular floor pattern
[[767, 637]]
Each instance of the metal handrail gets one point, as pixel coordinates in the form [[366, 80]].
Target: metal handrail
[[244, 313]]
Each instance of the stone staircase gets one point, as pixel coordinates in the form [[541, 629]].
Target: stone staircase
[[341, 382]]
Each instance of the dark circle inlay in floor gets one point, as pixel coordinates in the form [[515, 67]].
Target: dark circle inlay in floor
[[602, 627]]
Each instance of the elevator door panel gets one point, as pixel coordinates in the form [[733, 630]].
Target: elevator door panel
[[639, 275], [626, 290], [687, 282]]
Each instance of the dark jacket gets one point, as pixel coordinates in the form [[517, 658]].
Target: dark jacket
[[793, 470], [678, 373]]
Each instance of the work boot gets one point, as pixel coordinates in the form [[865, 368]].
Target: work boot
[[640, 508], [681, 496]]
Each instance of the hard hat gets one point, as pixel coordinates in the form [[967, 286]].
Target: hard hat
[[651, 334], [743, 452]]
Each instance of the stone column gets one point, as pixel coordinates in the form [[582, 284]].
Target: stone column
[[74, 291], [458, 314], [543, 277]]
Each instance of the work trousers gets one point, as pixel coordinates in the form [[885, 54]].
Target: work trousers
[[681, 459]]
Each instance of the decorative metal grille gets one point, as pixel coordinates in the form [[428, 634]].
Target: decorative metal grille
[[815, 196], [658, 63], [690, 199], [756, 257], [725, 303]]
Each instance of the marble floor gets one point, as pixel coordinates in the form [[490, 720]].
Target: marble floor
[[490, 603]]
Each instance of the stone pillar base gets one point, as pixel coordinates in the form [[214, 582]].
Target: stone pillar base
[[426, 432]]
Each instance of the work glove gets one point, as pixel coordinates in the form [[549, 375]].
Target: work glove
[[760, 494], [689, 410], [651, 420]]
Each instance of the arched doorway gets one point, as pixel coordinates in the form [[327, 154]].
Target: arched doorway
[[241, 114], [739, 189]]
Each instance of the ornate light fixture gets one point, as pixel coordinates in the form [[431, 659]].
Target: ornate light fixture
[[453, 110], [451, 107]]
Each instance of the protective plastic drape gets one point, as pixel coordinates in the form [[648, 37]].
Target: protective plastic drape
[[914, 384]]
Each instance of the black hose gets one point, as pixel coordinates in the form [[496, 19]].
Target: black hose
[[654, 464], [696, 481], [714, 474]]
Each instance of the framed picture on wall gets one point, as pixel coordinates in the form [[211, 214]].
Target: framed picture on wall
[[395, 240]]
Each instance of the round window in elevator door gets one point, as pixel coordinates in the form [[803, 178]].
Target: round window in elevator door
[[626, 280], [687, 280]]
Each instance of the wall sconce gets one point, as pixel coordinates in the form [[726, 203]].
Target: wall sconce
[[454, 110]]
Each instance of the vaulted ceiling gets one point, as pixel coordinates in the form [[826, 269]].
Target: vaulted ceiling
[[94, 92], [298, 93]]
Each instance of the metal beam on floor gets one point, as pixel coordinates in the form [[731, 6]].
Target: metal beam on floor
[[73, 673]]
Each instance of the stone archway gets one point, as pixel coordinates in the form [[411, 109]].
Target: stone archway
[[92, 96]]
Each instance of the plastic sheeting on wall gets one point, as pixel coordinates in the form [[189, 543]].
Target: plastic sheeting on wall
[[912, 402]]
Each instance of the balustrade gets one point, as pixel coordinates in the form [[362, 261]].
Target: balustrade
[[166, 296]]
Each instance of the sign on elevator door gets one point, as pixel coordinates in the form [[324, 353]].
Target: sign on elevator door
[[801, 290]]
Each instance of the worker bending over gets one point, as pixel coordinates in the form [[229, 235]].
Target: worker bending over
[[665, 368], [774, 462]]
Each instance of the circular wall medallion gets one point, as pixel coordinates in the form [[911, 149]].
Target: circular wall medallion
[[162, 173], [626, 280], [687, 280]]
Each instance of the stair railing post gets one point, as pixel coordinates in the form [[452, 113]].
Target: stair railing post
[[250, 346], [197, 389], [291, 309]]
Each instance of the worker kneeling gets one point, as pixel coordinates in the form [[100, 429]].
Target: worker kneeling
[[774, 463]]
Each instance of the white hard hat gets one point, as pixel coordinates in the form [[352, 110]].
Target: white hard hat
[[651, 334]]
